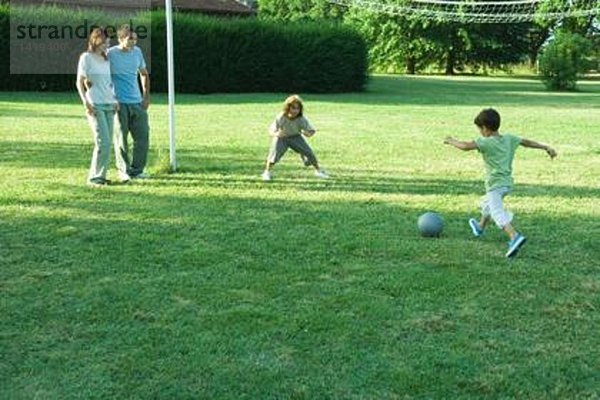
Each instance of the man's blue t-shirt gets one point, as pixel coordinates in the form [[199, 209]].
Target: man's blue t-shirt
[[124, 67]]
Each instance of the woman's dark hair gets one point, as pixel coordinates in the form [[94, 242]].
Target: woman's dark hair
[[97, 38]]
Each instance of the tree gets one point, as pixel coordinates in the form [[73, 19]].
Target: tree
[[411, 42], [395, 43], [563, 59], [294, 10]]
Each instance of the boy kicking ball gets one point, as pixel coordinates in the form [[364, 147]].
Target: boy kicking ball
[[498, 152]]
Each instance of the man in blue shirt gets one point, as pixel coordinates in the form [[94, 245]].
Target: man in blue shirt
[[126, 63]]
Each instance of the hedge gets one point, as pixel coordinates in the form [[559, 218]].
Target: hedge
[[230, 55]]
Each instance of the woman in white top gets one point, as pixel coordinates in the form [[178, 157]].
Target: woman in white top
[[96, 91]]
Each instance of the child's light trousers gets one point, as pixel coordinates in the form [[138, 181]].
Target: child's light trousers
[[492, 206]]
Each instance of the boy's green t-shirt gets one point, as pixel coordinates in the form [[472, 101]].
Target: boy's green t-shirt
[[498, 153]]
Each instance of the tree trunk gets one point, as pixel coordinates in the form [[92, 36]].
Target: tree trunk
[[450, 63], [411, 66]]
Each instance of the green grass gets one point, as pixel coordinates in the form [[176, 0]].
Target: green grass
[[210, 284]]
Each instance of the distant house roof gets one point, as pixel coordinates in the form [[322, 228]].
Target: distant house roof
[[231, 7], [113, 4], [223, 7]]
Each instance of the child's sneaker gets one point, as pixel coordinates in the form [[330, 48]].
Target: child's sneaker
[[515, 244], [266, 176], [321, 174], [475, 227]]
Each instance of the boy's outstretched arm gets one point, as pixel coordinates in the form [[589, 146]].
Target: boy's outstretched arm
[[535, 145], [460, 144]]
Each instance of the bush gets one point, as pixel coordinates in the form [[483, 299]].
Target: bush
[[231, 55], [248, 55], [563, 60]]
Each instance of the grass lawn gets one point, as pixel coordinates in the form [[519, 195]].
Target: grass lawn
[[210, 284]]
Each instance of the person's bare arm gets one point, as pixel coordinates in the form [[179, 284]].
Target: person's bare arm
[[532, 144], [459, 144], [145, 77], [81, 89]]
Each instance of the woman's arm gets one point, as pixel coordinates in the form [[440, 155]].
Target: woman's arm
[[81, 89]]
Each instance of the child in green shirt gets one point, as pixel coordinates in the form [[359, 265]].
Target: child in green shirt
[[498, 152]]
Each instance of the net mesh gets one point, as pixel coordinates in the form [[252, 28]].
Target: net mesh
[[474, 11]]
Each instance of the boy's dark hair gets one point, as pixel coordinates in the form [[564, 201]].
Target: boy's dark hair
[[488, 118]]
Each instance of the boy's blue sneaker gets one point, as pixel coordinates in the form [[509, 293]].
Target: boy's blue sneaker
[[515, 244], [475, 228]]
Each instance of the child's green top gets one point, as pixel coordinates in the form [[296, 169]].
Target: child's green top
[[498, 153]]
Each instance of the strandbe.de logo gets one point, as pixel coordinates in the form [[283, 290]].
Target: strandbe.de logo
[[82, 31], [49, 39]]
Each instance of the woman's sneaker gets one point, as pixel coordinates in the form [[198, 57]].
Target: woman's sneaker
[[475, 227], [266, 176], [515, 245], [124, 177]]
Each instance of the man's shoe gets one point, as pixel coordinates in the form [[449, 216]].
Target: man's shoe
[[475, 227], [143, 175], [321, 174], [515, 245], [266, 176], [98, 183]]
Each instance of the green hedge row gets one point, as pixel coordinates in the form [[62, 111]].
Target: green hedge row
[[232, 55]]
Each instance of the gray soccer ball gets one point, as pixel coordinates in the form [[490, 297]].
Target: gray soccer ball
[[430, 224]]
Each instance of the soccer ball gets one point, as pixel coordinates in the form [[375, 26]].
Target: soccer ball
[[430, 224]]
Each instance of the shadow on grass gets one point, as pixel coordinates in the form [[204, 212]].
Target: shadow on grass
[[403, 90], [351, 181], [29, 114], [245, 225], [46, 154], [64, 98], [116, 282], [390, 90], [242, 168], [222, 166]]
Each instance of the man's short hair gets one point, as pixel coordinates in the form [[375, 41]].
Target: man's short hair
[[124, 31]]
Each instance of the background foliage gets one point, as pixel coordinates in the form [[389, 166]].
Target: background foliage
[[564, 60], [248, 55], [413, 44], [225, 55]]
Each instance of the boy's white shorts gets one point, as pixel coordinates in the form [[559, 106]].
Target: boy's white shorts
[[493, 206]]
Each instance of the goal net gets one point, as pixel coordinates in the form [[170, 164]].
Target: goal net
[[478, 11]]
